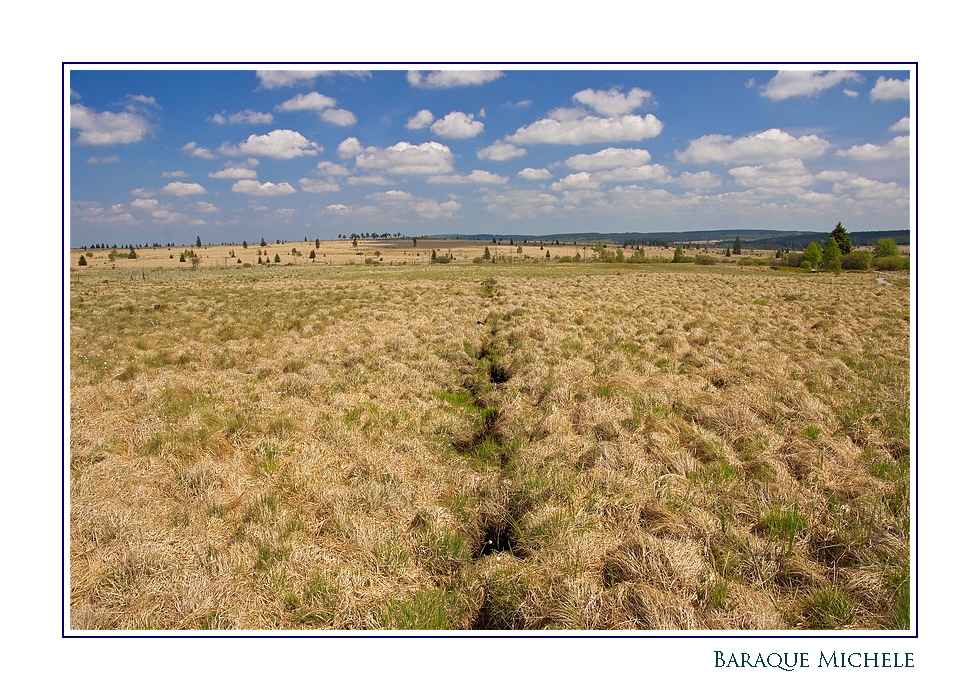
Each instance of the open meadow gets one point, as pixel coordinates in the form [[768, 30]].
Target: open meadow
[[520, 445]]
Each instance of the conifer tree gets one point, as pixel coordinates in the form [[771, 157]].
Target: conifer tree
[[843, 239]]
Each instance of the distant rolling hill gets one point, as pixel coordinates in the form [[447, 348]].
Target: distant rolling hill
[[752, 238]]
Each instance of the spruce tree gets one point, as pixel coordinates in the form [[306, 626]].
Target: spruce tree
[[737, 246], [843, 240]]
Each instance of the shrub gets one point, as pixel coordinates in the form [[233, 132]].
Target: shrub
[[705, 260], [893, 262], [832, 255], [856, 260], [813, 257], [885, 248], [793, 259]]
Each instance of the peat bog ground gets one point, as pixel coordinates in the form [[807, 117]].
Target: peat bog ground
[[467, 447]]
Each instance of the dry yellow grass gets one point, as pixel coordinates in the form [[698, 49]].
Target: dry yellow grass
[[383, 251], [488, 446]]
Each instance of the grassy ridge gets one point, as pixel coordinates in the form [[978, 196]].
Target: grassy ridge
[[433, 448]]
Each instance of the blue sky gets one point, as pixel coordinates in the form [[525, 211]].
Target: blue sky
[[229, 154]]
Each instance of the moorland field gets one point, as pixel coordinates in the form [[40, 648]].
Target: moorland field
[[520, 445]]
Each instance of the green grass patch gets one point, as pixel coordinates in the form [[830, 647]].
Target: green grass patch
[[783, 524], [434, 609], [829, 607]]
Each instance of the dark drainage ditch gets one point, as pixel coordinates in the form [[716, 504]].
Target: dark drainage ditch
[[498, 373], [496, 539]]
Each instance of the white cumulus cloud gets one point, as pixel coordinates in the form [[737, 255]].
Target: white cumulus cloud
[[703, 180], [107, 128], [767, 146], [315, 102], [182, 189], [612, 103], [798, 83], [326, 167], [576, 181], [890, 89], [430, 158], [105, 160], [781, 175], [315, 186], [340, 117], [312, 101], [571, 128], [421, 120], [535, 174], [250, 116], [198, 151], [866, 189], [457, 125], [633, 173], [500, 151], [349, 147], [270, 79], [423, 206], [451, 78], [521, 204], [280, 144], [234, 174], [898, 147], [609, 158], [903, 124], [254, 187]]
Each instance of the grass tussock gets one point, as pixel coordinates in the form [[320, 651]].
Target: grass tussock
[[429, 448]]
